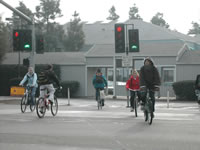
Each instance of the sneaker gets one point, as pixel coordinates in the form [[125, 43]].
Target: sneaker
[[142, 107], [132, 109], [153, 115], [41, 111], [50, 102]]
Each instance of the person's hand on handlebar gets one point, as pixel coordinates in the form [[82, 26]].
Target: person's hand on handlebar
[[143, 88], [156, 88]]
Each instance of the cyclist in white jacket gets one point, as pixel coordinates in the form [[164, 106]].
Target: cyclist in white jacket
[[31, 78]]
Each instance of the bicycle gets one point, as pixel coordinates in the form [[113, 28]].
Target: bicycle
[[197, 93], [135, 102], [44, 103], [148, 107], [99, 99], [26, 100]]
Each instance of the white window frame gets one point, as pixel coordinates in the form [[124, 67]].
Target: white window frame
[[169, 68]]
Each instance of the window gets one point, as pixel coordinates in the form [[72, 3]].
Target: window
[[168, 74], [138, 63]]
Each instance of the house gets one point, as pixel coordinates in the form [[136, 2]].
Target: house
[[175, 55]]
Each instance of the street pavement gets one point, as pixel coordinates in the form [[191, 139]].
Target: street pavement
[[79, 125]]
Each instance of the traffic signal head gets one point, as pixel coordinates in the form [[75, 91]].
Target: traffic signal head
[[119, 38], [40, 44], [133, 40], [22, 40], [26, 62], [16, 40], [27, 40]]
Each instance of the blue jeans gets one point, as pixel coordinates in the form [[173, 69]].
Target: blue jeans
[[33, 95]]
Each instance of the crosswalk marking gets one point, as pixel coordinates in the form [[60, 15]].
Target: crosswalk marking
[[115, 111]]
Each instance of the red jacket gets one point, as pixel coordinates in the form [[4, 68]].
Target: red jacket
[[133, 83]]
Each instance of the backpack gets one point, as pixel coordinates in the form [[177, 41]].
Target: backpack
[[43, 78], [99, 79]]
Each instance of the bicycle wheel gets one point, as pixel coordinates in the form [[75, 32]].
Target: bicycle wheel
[[150, 112], [135, 106], [23, 103], [99, 105], [32, 107], [54, 107], [145, 115], [150, 118], [40, 107]]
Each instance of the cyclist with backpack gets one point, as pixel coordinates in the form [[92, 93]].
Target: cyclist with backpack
[[99, 82], [46, 78], [31, 79]]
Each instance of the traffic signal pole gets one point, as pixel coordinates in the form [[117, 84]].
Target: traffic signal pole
[[29, 20]]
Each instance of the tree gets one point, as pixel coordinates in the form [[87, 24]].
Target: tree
[[46, 13], [195, 30], [19, 22], [133, 13], [158, 20], [3, 39], [75, 34], [113, 15], [56, 38]]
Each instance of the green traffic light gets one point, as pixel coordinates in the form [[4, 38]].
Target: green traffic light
[[27, 46], [134, 47]]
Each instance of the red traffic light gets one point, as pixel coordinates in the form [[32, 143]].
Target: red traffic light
[[16, 34], [119, 29]]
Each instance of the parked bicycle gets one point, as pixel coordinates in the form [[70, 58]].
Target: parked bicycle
[[26, 100], [44, 104], [148, 106]]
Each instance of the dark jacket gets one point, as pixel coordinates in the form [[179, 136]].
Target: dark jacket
[[197, 82], [48, 77], [149, 75]]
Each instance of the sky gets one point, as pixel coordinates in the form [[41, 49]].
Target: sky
[[179, 14]]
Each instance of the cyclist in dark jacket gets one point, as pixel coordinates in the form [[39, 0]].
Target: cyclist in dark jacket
[[46, 79], [149, 78]]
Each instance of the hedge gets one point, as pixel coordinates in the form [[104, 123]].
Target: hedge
[[11, 77], [184, 90], [72, 85]]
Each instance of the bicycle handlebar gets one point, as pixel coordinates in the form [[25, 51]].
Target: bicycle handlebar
[[155, 88]]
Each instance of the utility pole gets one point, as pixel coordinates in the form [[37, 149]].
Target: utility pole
[[32, 23]]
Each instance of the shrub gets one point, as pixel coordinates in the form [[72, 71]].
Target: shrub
[[11, 75], [14, 81], [184, 90], [72, 85]]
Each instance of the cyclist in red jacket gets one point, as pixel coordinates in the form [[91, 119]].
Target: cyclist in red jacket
[[133, 84]]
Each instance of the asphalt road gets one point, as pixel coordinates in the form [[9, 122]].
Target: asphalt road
[[81, 126]]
